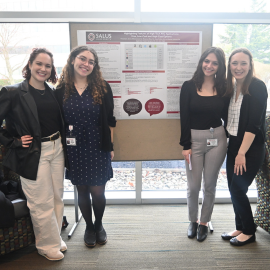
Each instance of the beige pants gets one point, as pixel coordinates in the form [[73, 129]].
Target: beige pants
[[45, 196]]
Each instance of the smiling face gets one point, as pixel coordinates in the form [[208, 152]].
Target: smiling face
[[210, 65], [41, 68], [83, 64], [240, 66]]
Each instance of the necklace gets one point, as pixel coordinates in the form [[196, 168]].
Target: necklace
[[81, 88], [41, 92]]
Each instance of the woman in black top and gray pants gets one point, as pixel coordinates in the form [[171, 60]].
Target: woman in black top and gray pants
[[202, 136], [246, 151]]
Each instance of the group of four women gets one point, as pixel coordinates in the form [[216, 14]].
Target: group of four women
[[72, 127]]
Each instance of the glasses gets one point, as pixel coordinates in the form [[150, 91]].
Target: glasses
[[84, 60]]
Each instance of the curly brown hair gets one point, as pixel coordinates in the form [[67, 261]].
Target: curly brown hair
[[220, 78], [26, 72], [95, 79]]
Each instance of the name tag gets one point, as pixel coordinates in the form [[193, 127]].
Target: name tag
[[71, 141], [212, 142]]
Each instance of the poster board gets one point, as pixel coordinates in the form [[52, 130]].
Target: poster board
[[146, 139]]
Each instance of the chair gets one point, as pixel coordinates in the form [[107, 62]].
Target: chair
[[262, 216], [21, 234]]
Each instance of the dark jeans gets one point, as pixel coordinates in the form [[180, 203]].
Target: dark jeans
[[238, 187]]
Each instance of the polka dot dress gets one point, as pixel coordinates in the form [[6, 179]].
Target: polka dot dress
[[88, 164]]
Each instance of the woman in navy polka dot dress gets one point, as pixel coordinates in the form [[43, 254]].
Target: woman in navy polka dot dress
[[87, 103]]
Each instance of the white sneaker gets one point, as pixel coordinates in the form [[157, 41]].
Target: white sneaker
[[52, 256], [63, 246]]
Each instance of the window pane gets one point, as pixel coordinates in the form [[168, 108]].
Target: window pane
[[123, 176], [255, 37], [205, 6], [164, 175], [17, 41], [171, 175], [69, 5]]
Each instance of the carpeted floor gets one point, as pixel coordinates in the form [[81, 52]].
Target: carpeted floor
[[150, 237]]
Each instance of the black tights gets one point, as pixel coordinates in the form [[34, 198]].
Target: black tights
[[99, 202]]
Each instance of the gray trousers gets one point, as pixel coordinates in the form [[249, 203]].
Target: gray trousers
[[206, 161]]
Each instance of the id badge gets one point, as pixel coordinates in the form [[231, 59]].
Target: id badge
[[71, 141], [212, 142]]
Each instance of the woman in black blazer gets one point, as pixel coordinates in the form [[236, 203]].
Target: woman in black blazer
[[246, 127], [87, 103], [34, 125]]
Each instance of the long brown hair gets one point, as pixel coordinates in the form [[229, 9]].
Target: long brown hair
[[220, 78], [249, 77], [95, 79], [26, 72]]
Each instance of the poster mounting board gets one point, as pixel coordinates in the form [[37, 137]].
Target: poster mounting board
[[146, 139]]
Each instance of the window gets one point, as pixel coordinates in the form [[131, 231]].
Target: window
[[205, 6], [17, 40], [69, 5], [255, 37]]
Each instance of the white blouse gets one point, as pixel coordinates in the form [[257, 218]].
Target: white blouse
[[234, 113]]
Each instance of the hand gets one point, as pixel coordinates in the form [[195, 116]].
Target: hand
[[240, 164], [112, 155], [26, 140], [186, 154]]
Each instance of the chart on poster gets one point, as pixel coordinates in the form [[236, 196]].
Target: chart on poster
[[145, 69]]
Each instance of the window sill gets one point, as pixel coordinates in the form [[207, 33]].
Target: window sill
[[159, 197]]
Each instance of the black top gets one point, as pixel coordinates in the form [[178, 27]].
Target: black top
[[107, 118], [48, 111], [198, 112], [252, 116]]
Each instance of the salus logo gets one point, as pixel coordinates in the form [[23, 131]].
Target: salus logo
[[91, 36]]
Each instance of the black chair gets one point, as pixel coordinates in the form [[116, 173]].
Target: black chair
[[262, 214], [21, 234]]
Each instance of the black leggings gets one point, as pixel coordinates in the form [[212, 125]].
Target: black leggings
[[99, 203]]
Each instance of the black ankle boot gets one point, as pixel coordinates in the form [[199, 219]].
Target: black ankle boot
[[101, 235], [192, 229], [90, 238], [202, 233]]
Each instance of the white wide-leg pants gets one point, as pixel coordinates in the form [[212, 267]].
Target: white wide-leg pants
[[45, 196]]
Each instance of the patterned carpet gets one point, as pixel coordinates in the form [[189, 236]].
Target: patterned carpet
[[150, 237]]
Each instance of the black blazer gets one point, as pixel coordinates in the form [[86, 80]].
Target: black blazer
[[252, 116], [18, 108], [107, 119]]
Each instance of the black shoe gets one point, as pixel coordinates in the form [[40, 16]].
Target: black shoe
[[235, 242], [101, 236], [202, 233], [226, 236], [192, 229], [90, 238]]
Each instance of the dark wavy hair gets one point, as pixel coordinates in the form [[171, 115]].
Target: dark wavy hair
[[95, 79], [26, 72], [249, 77], [220, 76]]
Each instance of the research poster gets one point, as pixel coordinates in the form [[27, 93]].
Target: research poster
[[145, 69]]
